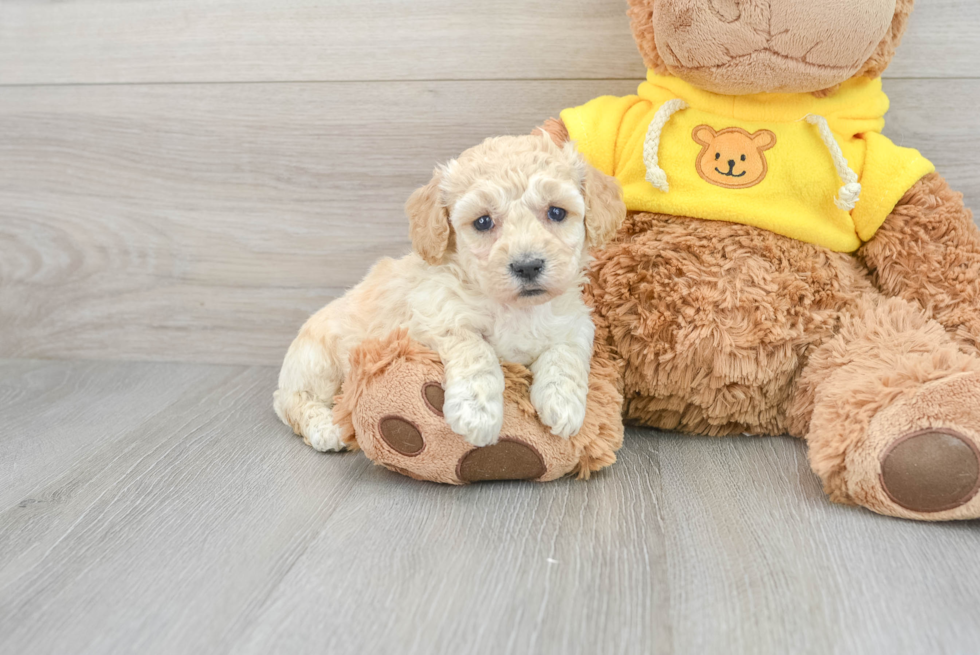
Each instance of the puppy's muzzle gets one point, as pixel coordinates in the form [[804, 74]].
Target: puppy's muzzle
[[527, 270]]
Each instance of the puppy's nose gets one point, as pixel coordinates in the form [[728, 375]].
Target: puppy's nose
[[527, 270], [731, 163]]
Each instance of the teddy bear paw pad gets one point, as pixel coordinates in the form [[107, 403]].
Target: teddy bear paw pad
[[931, 470], [508, 459], [401, 435], [434, 396]]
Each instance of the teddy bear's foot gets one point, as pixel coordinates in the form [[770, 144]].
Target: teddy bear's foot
[[439, 454], [401, 427], [895, 421], [921, 459], [393, 402], [931, 470]]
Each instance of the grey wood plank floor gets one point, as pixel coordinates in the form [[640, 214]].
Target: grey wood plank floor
[[161, 508]]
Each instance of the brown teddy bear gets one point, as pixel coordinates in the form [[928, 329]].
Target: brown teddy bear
[[784, 268]]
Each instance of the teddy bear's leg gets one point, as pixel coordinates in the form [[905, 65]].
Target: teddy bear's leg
[[602, 432], [890, 408], [391, 407], [928, 251]]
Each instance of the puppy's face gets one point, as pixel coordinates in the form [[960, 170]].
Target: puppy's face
[[519, 222], [517, 216]]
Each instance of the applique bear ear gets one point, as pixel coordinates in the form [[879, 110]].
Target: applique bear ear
[[705, 134], [763, 140]]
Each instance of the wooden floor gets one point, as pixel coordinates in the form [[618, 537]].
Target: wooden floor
[[182, 182], [162, 508]]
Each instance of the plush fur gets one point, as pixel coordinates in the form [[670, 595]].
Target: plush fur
[[927, 252], [722, 329], [460, 294], [885, 350], [754, 46], [713, 320]]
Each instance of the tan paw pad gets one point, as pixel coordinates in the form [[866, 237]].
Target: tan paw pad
[[931, 470]]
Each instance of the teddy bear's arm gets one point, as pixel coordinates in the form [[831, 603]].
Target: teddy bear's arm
[[928, 251]]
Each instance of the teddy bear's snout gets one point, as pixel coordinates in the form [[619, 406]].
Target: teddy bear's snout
[[767, 45]]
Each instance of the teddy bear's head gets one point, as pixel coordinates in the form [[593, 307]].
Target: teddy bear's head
[[738, 47]]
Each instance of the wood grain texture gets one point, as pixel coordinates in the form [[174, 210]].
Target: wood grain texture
[[202, 525], [58, 415], [206, 222], [93, 41]]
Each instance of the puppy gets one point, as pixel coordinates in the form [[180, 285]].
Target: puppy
[[501, 238]]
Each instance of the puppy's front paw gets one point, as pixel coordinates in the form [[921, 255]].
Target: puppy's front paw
[[476, 416], [560, 404]]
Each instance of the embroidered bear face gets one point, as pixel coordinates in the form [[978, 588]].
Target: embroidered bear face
[[732, 158]]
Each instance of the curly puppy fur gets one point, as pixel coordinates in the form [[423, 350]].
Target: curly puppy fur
[[510, 291]]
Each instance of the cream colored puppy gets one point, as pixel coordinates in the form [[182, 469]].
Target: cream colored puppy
[[501, 238]]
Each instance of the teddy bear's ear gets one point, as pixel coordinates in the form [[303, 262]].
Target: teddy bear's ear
[[605, 210], [641, 23], [429, 221], [555, 129], [763, 140], [883, 54], [704, 134]]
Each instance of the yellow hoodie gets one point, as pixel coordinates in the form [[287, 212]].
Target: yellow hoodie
[[788, 163]]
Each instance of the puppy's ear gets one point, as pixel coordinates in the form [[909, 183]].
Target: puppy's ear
[[429, 221], [605, 210]]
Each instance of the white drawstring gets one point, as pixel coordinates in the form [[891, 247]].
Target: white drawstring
[[850, 193], [651, 147]]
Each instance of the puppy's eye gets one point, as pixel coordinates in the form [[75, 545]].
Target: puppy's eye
[[483, 224], [743, 157], [557, 214], [717, 156]]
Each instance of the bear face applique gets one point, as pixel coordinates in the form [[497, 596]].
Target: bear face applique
[[732, 158]]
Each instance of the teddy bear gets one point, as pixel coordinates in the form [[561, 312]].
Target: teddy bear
[[784, 268]]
